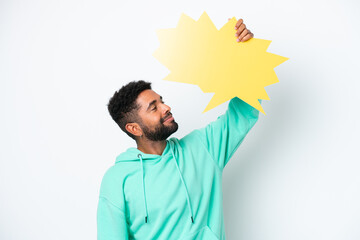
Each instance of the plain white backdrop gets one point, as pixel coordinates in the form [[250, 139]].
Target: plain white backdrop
[[296, 175]]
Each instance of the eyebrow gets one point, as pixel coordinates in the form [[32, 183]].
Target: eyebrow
[[152, 103]]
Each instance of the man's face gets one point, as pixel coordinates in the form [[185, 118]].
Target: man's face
[[156, 120]]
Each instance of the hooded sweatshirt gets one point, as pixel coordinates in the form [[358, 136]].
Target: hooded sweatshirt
[[178, 194]]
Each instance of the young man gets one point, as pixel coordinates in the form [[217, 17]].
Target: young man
[[168, 188]]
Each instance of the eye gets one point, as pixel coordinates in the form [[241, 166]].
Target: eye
[[153, 109]]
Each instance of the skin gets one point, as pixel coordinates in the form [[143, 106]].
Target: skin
[[152, 116], [242, 33]]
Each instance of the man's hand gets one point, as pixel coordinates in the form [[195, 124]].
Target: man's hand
[[242, 33]]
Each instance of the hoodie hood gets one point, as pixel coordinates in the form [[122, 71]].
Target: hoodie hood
[[131, 154], [135, 155]]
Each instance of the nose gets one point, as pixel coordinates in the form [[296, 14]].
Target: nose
[[166, 109]]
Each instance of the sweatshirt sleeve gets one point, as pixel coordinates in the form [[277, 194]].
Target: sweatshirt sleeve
[[111, 221], [223, 136]]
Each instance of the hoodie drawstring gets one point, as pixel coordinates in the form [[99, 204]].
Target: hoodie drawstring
[[143, 184], [182, 180]]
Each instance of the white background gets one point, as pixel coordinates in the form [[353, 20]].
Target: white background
[[296, 176]]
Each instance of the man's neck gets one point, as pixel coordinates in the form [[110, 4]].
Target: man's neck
[[151, 147]]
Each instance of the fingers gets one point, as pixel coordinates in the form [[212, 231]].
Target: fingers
[[247, 37], [239, 22], [240, 30], [242, 33]]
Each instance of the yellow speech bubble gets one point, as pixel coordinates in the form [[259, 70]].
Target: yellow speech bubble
[[197, 53]]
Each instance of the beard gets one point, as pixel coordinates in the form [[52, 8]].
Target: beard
[[161, 131]]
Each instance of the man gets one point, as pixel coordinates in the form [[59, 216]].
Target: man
[[169, 188]]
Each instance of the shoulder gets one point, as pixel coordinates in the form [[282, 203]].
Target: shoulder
[[113, 181], [193, 139]]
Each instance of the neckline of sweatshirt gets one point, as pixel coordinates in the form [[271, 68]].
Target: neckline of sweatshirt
[[132, 154]]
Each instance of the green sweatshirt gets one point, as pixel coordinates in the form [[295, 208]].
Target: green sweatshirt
[[176, 195]]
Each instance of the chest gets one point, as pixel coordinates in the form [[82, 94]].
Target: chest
[[165, 192]]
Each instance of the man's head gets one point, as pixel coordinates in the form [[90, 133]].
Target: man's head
[[140, 112]]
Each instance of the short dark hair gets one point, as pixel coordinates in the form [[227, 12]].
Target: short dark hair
[[122, 105]]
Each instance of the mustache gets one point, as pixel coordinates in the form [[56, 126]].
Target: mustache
[[167, 116]]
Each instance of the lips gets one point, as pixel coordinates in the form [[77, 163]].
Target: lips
[[169, 118]]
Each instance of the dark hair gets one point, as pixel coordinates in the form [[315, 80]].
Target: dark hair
[[122, 105]]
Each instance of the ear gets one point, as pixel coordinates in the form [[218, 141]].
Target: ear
[[134, 129]]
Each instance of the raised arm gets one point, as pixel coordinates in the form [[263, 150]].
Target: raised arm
[[222, 137]]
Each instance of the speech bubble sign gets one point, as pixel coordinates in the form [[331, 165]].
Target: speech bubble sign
[[196, 52]]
